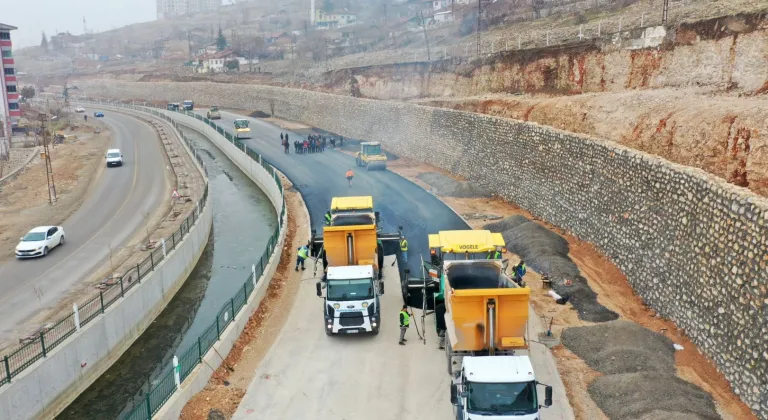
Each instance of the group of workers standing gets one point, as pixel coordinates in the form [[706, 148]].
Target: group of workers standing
[[312, 144]]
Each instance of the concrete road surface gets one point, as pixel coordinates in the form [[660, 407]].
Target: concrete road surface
[[112, 213], [309, 375]]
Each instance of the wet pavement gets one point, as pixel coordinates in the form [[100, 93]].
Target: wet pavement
[[243, 222]]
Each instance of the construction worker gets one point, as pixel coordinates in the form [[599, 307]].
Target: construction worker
[[328, 218], [404, 248], [85, 117], [520, 270], [349, 176], [301, 256], [405, 321], [495, 255], [281, 138]]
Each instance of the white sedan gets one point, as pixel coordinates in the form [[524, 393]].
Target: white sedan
[[79, 109], [38, 241]]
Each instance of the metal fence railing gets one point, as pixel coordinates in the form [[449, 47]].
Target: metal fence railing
[[38, 347], [169, 381]]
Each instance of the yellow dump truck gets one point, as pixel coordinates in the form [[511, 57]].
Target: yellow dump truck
[[352, 251], [481, 317]]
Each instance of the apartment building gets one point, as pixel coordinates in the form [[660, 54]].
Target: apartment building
[[167, 9], [9, 91]]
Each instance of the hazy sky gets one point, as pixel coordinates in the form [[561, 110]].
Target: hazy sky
[[32, 17]]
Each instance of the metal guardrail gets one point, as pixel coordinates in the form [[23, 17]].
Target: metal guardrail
[[169, 381], [23, 356]]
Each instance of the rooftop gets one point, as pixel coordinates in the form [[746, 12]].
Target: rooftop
[[4, 27], [499, 369]]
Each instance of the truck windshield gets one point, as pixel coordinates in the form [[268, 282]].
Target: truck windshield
[[502, 398], [373, 150], [356, 289], [241, 123]]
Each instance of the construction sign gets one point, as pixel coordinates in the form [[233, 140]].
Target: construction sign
[[175, 194]]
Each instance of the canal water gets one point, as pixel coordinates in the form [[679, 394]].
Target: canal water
[[243, 222]]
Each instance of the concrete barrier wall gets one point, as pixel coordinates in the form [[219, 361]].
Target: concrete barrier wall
[[694, 247], [46, 388]]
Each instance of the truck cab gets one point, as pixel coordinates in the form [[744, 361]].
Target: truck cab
[[500, 387], [351, 300], [189, 105]]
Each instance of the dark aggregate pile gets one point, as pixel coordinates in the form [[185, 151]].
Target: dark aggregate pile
[[621, 347], [651, 395], [450, 187], [639, 369], [545, 251]]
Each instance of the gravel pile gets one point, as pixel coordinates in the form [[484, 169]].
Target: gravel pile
[[449, 187], [639, 369], [621, 347], [633, 396], [545, 251]]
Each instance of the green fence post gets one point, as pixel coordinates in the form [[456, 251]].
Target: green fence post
[[7, 370], [42, 342], [199, 350], [149, 406], [138, 271], [218, 329], [232, 305], [152, 261], [245, 292], [101, 298], [122, 288]]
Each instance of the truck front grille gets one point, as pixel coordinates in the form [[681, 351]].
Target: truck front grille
[[351, 319]]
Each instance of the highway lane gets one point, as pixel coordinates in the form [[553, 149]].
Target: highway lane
[[113, 212], [372, 377], [320, 176]]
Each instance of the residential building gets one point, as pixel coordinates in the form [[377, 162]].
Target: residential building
[[443, 17], [325, 20], [9, 91], [216, 63], [168, 9]]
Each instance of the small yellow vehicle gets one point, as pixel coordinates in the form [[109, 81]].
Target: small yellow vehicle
[[371, 156]]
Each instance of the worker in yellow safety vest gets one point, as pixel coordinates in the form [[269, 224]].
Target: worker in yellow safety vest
[[301, 256], [404, 249], [328, 218], [405, 321]]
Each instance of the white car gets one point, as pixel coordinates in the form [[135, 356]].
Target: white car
[[79, 109], [114, 157], [38, 241]]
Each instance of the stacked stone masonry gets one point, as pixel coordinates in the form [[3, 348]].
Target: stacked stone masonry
[[694, 247]]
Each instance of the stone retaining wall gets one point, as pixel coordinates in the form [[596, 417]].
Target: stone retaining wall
[[694, 247]]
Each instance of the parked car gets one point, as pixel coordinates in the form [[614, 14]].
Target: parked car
[[98, 114], [80, 109], [114, 157], [38, 241]]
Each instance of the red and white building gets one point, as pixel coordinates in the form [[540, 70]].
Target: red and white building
[[9, 90]]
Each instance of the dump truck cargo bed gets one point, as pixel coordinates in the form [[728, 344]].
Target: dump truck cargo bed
[[471, 289]]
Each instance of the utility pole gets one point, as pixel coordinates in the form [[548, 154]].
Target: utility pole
[[189, 45], [665, 12], [480, 4], [426, 39], [48, 166]]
